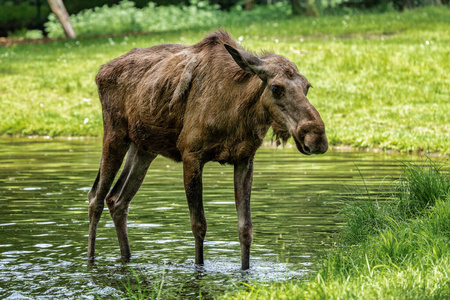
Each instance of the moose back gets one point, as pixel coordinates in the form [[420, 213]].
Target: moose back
[[212, 101]]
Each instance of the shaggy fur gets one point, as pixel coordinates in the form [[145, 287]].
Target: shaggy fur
[[173, 98], [212, 101]]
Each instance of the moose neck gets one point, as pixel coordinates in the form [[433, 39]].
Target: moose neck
[[245, 99], [232, 97]]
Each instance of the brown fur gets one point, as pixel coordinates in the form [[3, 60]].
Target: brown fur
[[211, 101], [173, 98]]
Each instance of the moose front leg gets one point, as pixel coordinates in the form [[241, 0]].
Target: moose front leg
[[192, 169], [243, 177]]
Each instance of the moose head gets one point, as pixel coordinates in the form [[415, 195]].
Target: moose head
[[284, 98]]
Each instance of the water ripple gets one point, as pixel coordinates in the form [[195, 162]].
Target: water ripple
[[44, 220]]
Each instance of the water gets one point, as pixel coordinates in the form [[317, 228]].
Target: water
[[44, 223]]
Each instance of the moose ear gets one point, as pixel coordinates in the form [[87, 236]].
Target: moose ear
[[248, 62]]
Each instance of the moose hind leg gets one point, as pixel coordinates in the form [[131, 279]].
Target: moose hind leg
[[243, 176], [126, 187], [112, 157]]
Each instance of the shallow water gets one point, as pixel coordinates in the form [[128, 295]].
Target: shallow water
[[44, 223]]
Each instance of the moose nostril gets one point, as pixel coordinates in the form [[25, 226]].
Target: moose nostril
[[306, 148], [303, 145]]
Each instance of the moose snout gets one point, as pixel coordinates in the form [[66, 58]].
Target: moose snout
[[311, 139], [316, 144]]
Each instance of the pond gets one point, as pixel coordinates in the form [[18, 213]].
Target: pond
[[44, 221]]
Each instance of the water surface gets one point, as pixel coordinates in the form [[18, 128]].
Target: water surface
[[44, 222]]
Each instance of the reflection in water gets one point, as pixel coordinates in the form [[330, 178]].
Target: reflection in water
[[44, 223]]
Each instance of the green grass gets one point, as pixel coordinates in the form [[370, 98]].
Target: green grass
[[380, 80], [415, 192], [406, 255], [136, 287]]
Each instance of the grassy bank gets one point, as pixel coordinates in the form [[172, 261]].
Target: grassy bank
[[392, 249], [380, 80]]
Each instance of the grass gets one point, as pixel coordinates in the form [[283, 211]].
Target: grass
[[406, 255], [380, 80], [135, 285], [135, 289]]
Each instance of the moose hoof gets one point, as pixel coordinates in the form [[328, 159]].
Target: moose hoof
[[199, 267], [125, 259]]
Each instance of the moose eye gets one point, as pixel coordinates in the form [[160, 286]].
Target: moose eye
[[277, 91]]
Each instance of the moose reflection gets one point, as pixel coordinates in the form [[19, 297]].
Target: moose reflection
[[211, 101]]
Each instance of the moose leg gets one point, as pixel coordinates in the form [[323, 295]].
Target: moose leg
[[112, 156], [243, 176], [129, 182], [192, 171]]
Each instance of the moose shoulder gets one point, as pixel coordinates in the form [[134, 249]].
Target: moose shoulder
[[211, 101]]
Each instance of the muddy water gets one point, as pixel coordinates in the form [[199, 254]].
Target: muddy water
[[44, 224]]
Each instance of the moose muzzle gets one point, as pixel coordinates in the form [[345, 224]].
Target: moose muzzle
[[311, 138]]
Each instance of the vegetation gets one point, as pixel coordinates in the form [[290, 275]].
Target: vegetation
[[17, 18], [389, 252], [136, 287], [21, 15], [379, 80], [125, 17]]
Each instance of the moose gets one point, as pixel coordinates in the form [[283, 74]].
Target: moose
[[211, 101]]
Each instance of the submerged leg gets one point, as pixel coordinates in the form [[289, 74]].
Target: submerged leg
[[192, 171], [127, 185], [243, 176], [112, 156]]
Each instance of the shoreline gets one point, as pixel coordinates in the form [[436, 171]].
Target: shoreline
[[267, 143]]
